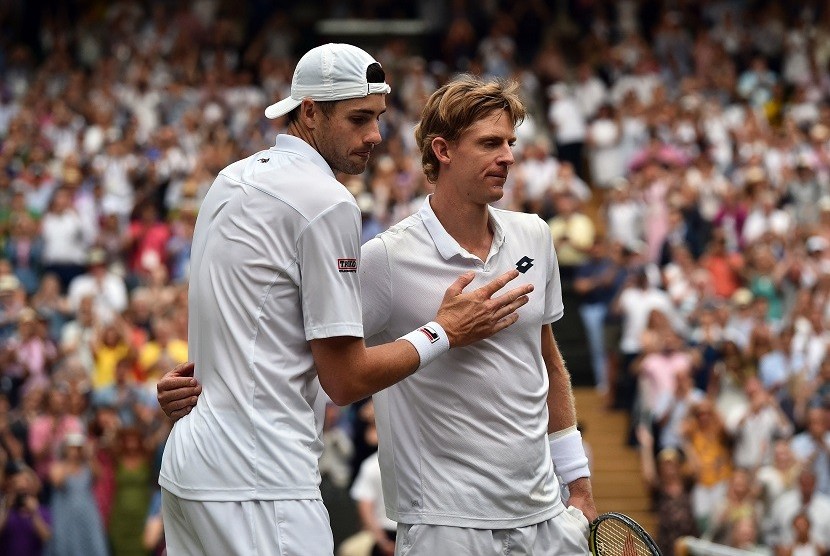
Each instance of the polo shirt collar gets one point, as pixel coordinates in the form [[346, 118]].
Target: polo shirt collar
[[295, 145], [447, 246]]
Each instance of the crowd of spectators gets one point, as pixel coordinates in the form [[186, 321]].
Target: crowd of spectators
[[680, 151]]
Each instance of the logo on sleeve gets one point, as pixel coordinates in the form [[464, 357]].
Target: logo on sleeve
[[524, 264], [346, 265], [429, 333]]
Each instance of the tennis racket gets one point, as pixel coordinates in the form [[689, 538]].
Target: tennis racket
[[616, 534]]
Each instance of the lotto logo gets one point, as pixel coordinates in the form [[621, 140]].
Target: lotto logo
[[524, 264], [347, 265]]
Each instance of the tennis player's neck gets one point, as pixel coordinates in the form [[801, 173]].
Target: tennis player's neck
[[467, 223]]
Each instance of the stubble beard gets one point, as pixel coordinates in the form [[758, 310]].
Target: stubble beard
[[339, 162]]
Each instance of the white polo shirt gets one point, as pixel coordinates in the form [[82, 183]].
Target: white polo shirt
[[463, 441], [274, 264]]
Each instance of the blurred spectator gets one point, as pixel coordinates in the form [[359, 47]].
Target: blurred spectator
[[807, 499], [34, 352], [671, 410], [635, 304], [810, 339], [78, 336], [110, 348], [367, 492], [663, 358], [536, 170], [604, 153], [812, 448], [777, 478], [25, 525], [103, 434], [803, 543], [132, 403], [742, 320], [107, 289], [12, 301], [146, 241], [623, 216], [48, 431], [743, 535], [337, 450], [597, 281], [670, 485], [568, 125], [756, 83], [132, 493], [706, 445], [65, 240], [77, 524], [50, 304], [163, 352], [756, 426], [24, 249], [573, 233], [739, 505]]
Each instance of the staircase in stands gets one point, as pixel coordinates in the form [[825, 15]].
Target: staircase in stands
[[617, 480]]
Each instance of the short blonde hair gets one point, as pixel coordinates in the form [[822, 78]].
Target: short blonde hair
[[456, 106]]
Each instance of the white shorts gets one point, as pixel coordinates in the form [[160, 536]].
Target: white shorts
[[256, 527], [563, 535]]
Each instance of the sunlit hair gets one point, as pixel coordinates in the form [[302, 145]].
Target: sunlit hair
[[456, 106]]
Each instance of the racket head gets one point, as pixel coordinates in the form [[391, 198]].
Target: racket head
[[616, 534]]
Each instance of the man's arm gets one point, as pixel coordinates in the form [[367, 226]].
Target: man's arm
[[349, 371], [562, 417]]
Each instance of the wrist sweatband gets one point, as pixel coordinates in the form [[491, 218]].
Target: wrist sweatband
[[430, 342], [568, 454]]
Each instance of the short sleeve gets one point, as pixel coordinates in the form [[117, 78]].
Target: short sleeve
[[328, 254], [554, 307], [376, 285]]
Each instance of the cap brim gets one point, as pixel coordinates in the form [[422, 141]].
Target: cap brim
[[282, 107]]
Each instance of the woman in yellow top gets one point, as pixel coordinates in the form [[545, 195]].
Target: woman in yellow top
[[709, 452], [109, 346]]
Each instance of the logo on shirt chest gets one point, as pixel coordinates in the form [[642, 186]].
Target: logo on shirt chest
[[524, 264], [346, 265]]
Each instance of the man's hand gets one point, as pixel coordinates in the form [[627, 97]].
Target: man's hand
[[469, 317], [582, 497], [178, 391]]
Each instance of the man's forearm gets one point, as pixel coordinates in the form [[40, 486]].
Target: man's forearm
[[561, 405]]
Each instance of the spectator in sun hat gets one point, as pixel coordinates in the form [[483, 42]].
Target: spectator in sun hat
[[741, 321]]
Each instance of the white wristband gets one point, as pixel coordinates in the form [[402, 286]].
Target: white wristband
[[430, 342], [568, 454]]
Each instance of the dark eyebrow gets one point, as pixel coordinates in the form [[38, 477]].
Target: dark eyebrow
[[365, 111]]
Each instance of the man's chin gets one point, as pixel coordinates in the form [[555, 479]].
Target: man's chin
[[353, 168]]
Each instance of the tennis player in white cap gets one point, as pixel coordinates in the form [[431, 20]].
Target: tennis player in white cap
[[275, 313]]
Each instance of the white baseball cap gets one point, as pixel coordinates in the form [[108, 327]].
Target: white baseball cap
[[329, 72]]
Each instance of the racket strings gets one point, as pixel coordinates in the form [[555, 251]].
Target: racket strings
[[614, 538]]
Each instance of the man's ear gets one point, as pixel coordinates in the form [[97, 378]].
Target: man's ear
[[308, 113], [441, 149]]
